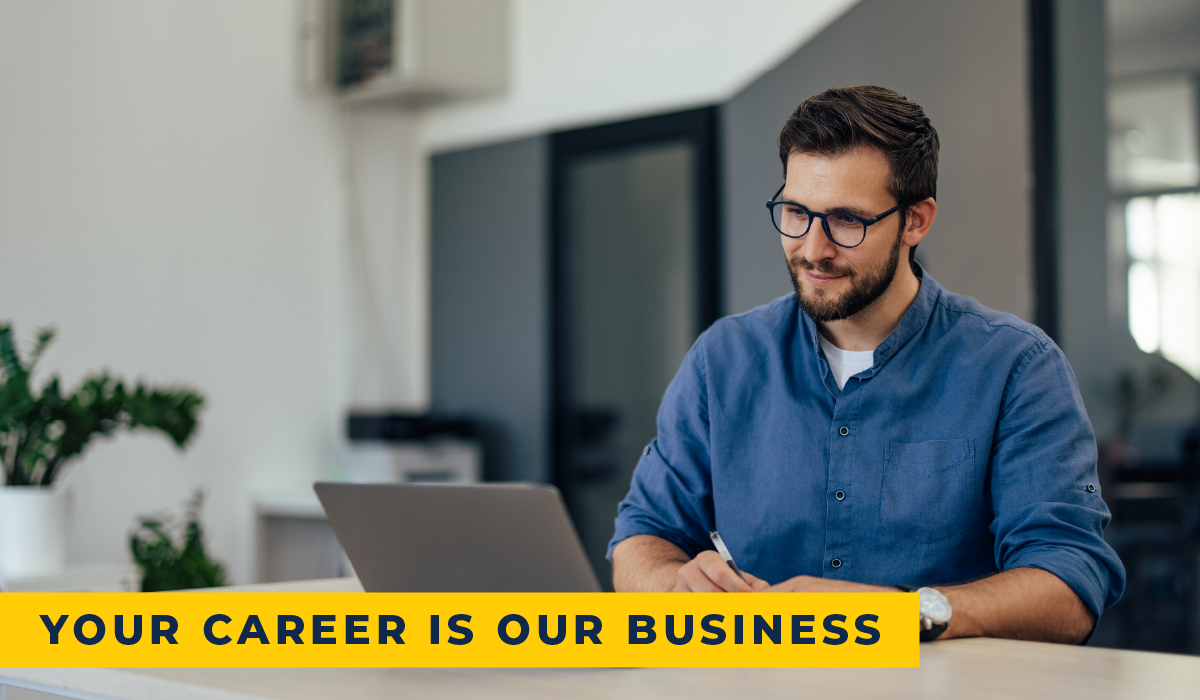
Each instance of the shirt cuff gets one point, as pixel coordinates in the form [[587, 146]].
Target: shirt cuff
[[1081, 572]]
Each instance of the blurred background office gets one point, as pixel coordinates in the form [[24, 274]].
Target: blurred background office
[[472, 239]]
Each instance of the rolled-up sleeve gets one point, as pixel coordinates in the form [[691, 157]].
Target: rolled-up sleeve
[[671, 493], [1045, 494]]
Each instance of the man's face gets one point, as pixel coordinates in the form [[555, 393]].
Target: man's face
[[831, 282]]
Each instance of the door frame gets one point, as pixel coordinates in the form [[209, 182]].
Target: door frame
[[699, 127]]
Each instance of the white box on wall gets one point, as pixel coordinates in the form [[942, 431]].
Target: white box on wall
[[418, 52]]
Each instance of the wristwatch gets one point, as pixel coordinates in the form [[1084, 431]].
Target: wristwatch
[[935, 611]]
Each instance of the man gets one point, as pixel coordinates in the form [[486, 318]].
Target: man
[[873, 430]]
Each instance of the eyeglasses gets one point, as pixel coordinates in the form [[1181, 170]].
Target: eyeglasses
[[843, 228]]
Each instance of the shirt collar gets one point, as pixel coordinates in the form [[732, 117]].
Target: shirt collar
[[913, 321]]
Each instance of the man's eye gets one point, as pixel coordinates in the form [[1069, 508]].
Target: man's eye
[[796, 212], [847, 220]]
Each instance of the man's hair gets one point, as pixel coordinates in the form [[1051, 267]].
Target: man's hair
[[841, 119]]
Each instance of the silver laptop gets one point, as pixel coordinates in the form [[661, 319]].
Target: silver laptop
[[457, 537]]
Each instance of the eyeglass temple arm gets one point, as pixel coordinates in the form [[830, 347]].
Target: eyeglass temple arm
[[885, 214]]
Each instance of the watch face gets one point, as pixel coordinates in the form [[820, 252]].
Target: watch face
[[934, 605]]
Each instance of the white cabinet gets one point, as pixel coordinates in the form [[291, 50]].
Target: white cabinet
[[293, 540]]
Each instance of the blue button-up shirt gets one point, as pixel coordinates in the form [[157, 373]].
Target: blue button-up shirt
[[964, 450]]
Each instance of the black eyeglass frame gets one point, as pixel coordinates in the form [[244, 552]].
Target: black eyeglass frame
[[824, 221]]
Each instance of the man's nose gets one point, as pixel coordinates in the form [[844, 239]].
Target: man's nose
[[817, 245]]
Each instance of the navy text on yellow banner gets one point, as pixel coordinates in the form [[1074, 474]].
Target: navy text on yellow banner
[[466, 630]]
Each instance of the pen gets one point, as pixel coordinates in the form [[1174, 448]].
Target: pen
[[724, 552]]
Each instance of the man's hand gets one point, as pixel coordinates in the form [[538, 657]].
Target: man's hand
[[708, 573], [647, 563], [813, 584]]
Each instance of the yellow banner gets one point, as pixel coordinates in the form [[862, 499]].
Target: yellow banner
[[202, 629]]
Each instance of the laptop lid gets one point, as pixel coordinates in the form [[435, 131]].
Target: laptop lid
[[457, 537]]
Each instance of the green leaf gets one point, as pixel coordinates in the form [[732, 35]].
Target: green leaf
[[9, 361], [45, 336]]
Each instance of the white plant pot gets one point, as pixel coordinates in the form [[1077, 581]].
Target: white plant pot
[[33, 530]]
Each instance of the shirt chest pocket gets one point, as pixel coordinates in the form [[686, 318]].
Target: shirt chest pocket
[[928, 488]]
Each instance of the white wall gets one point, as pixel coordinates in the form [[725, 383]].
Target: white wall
[[578, 63], [387, 171], [170, 201]]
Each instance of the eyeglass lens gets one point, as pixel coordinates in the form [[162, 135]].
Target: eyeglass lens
[[795, 221]]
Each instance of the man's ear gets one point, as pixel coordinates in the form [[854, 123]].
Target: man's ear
[[920, 218]]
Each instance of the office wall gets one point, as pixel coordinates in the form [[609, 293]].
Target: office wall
[[966, 64], [385, 183], [490, 299], [170, 200], [1088, 330]]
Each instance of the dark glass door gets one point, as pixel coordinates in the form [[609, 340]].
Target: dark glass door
[[634, 283]]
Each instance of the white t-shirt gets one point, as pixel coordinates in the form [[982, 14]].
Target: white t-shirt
[[845, 363]]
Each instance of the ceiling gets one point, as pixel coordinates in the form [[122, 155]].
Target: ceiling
[[579, 63]]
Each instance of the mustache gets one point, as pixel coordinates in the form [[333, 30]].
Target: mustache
[[825, 267]]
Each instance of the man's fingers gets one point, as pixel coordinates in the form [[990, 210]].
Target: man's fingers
[[755, 582], [696, 585], [690, 579], [708, 573], [717, 571]]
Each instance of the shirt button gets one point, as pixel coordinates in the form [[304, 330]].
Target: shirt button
[[1091, 488], [844, 431], [646, 451], [836, 563], [840, 495]]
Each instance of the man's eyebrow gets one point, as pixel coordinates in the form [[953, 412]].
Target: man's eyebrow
[[857, 211]]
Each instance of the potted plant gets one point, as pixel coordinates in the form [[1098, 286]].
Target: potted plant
[[170, 566], [43, 431]]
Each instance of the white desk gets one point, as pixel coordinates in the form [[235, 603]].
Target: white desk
[[95, 578], [976, 668]]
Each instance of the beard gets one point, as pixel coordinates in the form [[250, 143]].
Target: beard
[[865, 287]]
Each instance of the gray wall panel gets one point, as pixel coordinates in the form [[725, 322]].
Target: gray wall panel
[[490, 296], [966, 64], [1082, 134]]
